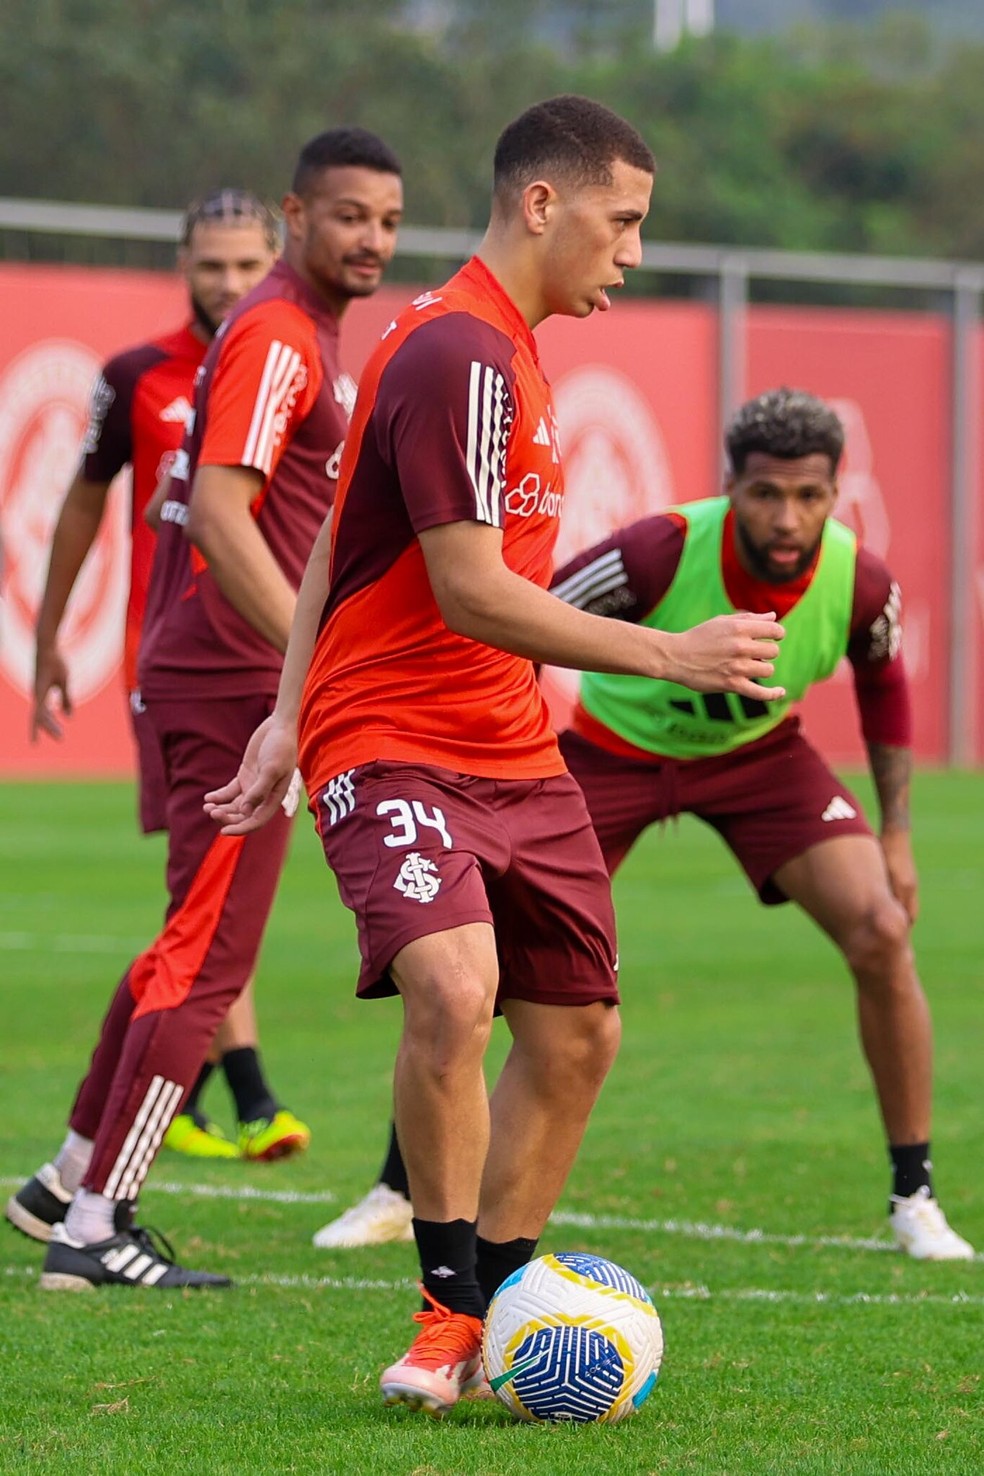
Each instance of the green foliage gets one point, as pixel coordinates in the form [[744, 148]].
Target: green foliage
[[852, 136], [739, 1101]]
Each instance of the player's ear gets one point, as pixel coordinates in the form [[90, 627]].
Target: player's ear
[[292, 208], [539, 199]]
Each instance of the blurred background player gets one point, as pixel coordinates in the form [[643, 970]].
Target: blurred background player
[[140, 406], [643, 752], [249, 491]]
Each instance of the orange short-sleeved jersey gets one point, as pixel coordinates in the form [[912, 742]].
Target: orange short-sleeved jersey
[[454, 422], [270, 396]]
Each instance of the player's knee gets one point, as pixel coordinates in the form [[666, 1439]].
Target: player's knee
[[448, 1017], [879, 939], [586, 1049]]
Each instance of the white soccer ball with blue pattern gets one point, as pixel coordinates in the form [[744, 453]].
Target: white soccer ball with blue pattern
[[572, 1337]]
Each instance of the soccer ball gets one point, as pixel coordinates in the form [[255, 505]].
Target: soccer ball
[[572, 1337]]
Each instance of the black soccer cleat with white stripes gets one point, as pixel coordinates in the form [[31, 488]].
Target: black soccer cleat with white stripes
[[39, 1204], [134, 1256]]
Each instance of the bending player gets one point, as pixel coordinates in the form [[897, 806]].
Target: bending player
[[644, 751]]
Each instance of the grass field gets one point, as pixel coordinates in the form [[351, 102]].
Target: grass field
[[735, 1165]]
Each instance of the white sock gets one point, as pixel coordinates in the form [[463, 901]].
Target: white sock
[[72, 1160], [90, 1217]]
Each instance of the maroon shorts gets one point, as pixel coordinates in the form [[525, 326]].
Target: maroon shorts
[[418, 850], [202, 743], [770, 800], [151, 779]]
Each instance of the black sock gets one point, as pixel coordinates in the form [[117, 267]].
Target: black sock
[[498, 1259], [244, 1074], [911, 1168], [447, 1262], [191, 1107], [394, 1171]]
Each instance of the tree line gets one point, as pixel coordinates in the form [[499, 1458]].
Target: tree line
[[844, 138]]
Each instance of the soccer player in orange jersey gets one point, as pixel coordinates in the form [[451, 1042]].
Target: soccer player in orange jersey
[[141, 403], [644, 752], [443, 804], [249, 490]]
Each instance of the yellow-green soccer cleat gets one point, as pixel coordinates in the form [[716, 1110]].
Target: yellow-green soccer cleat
[[198, 1139], [273, 1137]]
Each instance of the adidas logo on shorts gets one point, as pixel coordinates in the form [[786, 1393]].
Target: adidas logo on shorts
[[839, 809]]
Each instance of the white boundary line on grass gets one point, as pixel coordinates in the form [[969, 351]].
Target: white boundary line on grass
[[689, 1229], [225, 1191], [67, 943], [698, 1230], [659, 1293]]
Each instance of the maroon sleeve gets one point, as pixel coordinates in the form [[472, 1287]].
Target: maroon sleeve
[[443, 414], [108, 442], [628, 574], [875, 653]]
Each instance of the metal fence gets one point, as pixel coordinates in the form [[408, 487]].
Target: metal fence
[[729, 276]]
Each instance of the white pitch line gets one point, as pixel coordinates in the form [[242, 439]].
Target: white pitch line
[[697, 1230], [226, 1191], [245, 1192], [661, 1293], [658, 1293], [688, 1229], [67, 943]]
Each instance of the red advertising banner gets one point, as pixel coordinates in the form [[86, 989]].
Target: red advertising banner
[[974, 674], [60, 325], [636, 401], [635, 396], [888, 377]]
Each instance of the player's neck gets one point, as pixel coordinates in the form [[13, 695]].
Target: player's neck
[[333, 298], [515, 274]]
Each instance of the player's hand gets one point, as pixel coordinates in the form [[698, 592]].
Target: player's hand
[[899, 861], [262, 785], [50, 676], [731, 653]]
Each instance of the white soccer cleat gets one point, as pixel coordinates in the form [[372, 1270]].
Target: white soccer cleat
[[921, 1229], [383, 1215]]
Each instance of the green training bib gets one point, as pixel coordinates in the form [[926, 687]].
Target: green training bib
[[664, 717]]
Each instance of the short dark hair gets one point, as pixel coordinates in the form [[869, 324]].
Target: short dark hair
[[571, 138], [339, 148], [784, 422], [231, 207]]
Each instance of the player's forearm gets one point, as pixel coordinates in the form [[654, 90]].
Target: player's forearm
[[246, 572], [304, 630], [481, 597], [75, 533], [514, 615], [891, 772]]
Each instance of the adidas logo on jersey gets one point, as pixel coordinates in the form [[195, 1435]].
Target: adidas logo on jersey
[[839, 809], [542, 437], [178, 411]]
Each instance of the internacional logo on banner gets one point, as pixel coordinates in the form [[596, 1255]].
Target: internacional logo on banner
[[616, 471], [44, 405]]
